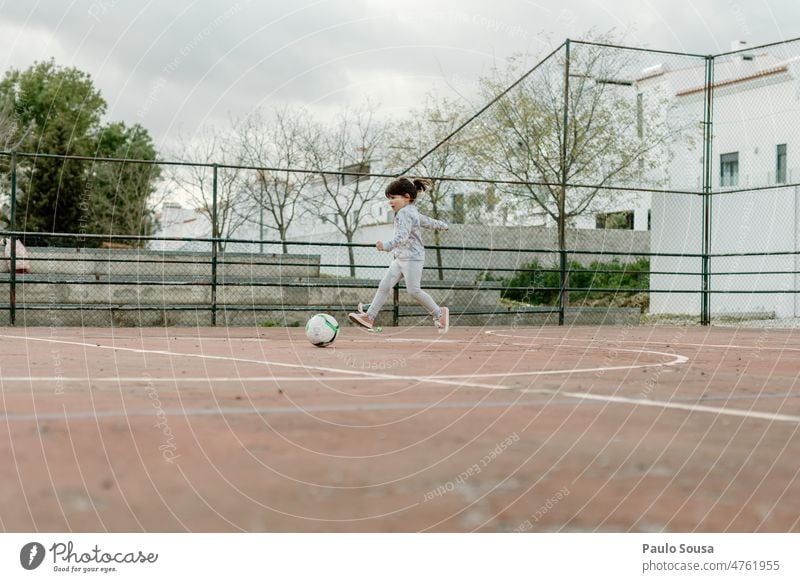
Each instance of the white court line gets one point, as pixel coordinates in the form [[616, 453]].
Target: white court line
[[277, 410], [438, 379], [773, 417], [179, 379], [600, 342], [373, 375], [426, 340], [677, 359]]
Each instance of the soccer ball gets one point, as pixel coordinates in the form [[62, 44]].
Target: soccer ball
[[322, 329]]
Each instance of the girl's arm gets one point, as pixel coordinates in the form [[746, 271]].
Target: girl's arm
[[428, 222], [402, 230]]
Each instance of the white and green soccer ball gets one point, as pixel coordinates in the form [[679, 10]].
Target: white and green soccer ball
[[322, 329]]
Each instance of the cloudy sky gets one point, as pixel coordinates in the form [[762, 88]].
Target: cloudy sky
[[177, 65]]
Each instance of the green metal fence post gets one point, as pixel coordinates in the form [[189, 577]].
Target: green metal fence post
[[214, 239], [562, 203], [12, 299], [396, 306], [708, 120]]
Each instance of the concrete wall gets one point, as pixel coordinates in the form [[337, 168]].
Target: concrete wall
[[45, 261], [109, 287], [513, 248]]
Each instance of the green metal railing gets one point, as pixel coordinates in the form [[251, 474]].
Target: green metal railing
[[214, 280], [465, 267]]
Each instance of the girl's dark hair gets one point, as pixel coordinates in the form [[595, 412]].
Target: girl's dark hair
[[410, 186]]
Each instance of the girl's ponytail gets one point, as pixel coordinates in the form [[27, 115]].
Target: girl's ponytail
[[421, 184], [408, 186]]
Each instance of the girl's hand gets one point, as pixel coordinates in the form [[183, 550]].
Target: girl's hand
[[379, 245]]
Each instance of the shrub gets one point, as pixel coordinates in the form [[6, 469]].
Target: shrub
[[539, 285]]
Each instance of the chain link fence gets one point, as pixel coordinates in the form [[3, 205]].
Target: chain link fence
[[602, 184]]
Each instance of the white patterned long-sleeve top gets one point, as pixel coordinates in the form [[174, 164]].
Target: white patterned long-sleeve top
[[407, 240]]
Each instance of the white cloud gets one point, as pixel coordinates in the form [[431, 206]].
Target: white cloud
[[182, 63], [28, 44]]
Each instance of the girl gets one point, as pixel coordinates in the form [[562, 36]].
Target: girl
[[409, 254]]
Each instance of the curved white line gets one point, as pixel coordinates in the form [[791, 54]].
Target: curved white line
[[774, 417], [496, 333], [439, 379]]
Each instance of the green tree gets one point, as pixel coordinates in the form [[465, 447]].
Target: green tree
[[61, 112], [117, 199], [66, 110], [8, 123]]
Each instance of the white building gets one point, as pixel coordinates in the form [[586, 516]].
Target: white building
[[249, 224], [756, 137]]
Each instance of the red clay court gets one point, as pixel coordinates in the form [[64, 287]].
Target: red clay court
[[611, 429]]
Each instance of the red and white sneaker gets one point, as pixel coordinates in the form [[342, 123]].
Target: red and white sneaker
[[443, 321], [361, 319]]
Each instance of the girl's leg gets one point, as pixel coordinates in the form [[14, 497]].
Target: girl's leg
[[412, 272], [389, 280]]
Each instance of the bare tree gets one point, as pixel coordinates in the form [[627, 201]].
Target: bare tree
[[566, 171], [350, 145], [196, 181], [275, 141], [426, 127], [602, 148]]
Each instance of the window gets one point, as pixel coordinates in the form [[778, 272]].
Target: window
[[729, 169], [780, 164]]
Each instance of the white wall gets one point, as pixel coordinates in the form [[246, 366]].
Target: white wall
[[677, 229], [751, 118], [751, 222], [335, 261]]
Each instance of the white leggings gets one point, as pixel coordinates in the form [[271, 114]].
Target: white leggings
[[411, 271]]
